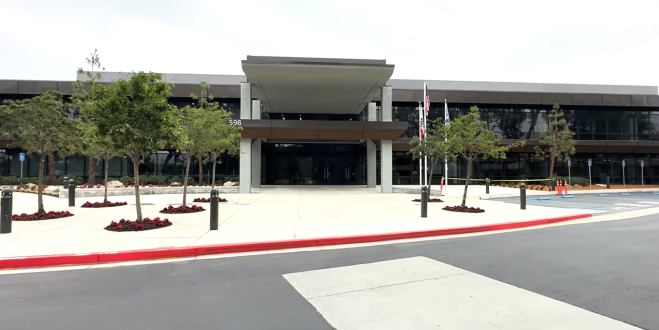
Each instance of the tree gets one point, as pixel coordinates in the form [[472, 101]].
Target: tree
[[193, 135], [42, 128], [557, 142], [79, 97], [222, 136], [136, 118], [434, 146], [97, 145], [469, 137]]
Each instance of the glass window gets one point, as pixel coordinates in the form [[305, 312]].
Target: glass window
[[599, 119], [584, 129], [148, 166], [76, 166], [114, 168], [654, 126], [643, 125], [615, 123]]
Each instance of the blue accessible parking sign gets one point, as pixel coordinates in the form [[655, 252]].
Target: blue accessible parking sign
[[21, 156]]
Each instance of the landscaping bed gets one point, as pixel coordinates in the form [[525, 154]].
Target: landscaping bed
[[99, 204], [430, 200], [465, 209], [41, 216], [208, 200], [182, 209], [146, 224]]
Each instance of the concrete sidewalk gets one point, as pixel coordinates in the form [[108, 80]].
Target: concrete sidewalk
[[276, 213]]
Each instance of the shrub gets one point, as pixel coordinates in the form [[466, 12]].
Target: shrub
[[232, 178], [575, 180]]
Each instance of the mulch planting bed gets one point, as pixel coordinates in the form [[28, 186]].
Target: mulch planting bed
[[208, 200], [430, 200], [41, 216], [182, 209], [465, 209], [99, 204], [146, 224]]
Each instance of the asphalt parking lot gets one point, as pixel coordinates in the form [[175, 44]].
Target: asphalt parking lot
[[596, 203]]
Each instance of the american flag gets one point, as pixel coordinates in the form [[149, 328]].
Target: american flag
[[422, 124], [426, 100]]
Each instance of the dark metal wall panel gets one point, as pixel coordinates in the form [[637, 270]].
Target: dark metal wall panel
[[653, 100], [435, 96], [562, 99], [8, 87], [36, 87], [403, 95], [225, 91], [616, 100], [525, 98], [462, 96], [65, 87], [586, 99], [494, 97], [639, 101]]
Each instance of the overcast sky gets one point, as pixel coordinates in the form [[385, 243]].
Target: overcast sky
[[557, 41]]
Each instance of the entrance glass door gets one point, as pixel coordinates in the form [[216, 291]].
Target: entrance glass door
[[308, 164]]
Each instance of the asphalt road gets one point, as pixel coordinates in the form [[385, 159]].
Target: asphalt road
[[611, 268], [596, 203]]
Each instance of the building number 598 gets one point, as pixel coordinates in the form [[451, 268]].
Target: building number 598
[[235, 122]]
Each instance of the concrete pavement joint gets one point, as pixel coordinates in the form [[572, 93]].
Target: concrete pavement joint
[[389, 285]]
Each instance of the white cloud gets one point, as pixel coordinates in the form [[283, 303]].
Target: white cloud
[[578, 41]]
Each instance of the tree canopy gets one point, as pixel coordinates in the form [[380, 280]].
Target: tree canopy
[[557, 143], [135, 117], [469, 137], [40, 125], [435, 146]]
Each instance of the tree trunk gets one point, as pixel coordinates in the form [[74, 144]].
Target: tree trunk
[[213, 170], [201, 168], [185, 180], [51, 169], [106, 163], [434, 162], [42, 160], [552, 160], [464, 196], [90, 181], [136, 178]]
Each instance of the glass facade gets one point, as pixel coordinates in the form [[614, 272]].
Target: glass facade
[[325, 163]]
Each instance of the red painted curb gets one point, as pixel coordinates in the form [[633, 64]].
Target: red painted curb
[[193, 251]]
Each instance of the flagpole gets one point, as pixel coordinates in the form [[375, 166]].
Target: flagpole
[[446, 121], [420, 135], [425, 132]]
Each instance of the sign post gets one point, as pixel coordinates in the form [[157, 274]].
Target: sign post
[[642, 166], [569, 175], [21, 157], [590, 180], [623, 172]]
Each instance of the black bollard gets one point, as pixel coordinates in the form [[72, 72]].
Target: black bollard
[[487, 186], [424, 202], [5, 211], [608, 183], [215, 202], [65, 183], [522, 196], [72, 193]]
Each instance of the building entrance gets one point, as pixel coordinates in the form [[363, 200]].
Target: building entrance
[[313, 164]]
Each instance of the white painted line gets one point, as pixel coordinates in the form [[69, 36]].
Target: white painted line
[[421, 293], [632, 205], [644, 202]]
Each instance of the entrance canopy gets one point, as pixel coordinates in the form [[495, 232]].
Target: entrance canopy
[[313, 85]]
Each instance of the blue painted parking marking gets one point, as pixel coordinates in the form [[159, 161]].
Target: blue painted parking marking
[[655, 193], [593, 203]]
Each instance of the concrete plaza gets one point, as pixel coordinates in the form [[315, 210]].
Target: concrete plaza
[[268, 214]]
